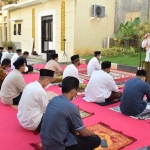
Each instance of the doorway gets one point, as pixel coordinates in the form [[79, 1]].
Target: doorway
[[47, 33]]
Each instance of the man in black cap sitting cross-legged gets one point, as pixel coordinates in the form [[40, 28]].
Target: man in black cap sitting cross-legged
[[94, 63], [132, 102], [13, 84], [33, 102], [102, 87]]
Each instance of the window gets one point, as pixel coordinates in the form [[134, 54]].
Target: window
[[15, 29], [19, 29]]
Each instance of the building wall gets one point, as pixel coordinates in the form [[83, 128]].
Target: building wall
[[43, 9], [90, 34]]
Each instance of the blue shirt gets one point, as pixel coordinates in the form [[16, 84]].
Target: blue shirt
[[132, 98], [60, 115]]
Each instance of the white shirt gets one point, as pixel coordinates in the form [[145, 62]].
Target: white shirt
[[32, 106], [6, 55], [70, 70], [99, 87], [12, 85], [13, 59], [93, 65], [147, 48]]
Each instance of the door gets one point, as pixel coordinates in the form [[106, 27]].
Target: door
[[47, 33]]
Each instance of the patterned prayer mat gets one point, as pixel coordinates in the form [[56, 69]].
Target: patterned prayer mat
[[116, 140], [145, 115], [36, 71], [85, 114]]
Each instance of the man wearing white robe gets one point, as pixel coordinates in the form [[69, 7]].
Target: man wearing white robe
[[146, 45], [102, 87], [7, 54], [71, 70], [34, 101], [94, 64], [15, 57]]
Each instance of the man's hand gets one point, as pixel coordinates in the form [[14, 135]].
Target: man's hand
[[85, 132]]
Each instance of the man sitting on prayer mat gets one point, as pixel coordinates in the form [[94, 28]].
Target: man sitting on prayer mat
[[101, 86], [94, 64], [33, 102], [5, 64], [62, 121], [7, 54], [53, 65], [71, 70], [13, 84], [28, 68], [15, 57], [132, 103], [1, 53]]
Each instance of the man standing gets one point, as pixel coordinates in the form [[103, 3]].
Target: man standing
[[5, 64], [94, 64], [13, 84], [15, 57], [29, 68], [62, 121], [53, 65], [71, 70], [132, 103], [1, 50], [33, 102], [7, 54], [102, 87]]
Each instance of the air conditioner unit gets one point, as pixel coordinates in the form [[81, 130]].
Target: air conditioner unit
[[98, 11], [108, 42]]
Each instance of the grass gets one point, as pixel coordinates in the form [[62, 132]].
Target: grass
[[124, 60]]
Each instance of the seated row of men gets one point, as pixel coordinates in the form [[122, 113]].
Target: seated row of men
[[17, 55], [33, 101]]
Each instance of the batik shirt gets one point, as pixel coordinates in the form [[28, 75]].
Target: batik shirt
[[2, 75]]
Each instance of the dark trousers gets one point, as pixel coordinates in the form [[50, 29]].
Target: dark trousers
[[30, 68], [39, 126], [86, 143], [113, 96], [17, 99]]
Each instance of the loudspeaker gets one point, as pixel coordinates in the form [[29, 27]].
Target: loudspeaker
[[98, 11]]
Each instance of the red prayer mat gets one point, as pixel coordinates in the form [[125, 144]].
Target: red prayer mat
[[116, 140]]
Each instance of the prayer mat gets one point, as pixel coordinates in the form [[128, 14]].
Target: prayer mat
[[14, 106], [145, 115], [51, 95], [83, 76], [116, 140], [107, 103], [58, 79], [36, 71], [82, 70], [85, 114]]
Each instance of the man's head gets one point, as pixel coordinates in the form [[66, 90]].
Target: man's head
[[20, 65], [106, 65], [75, 60], [54, 57], [5, 63], [19, 51], [46, 77], [141, 74], [97, 54], [10, 49], [25, 54], [1, 49], [70, 86]]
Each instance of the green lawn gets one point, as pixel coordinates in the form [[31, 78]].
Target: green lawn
[[125, 60]]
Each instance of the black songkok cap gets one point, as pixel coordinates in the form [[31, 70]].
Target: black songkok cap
[[1, 48], [19, 62], [46, 72], [141, 73], [10, 48], [19, 50], [54, 56], [97, 53], [74, 58], [106, 64]]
